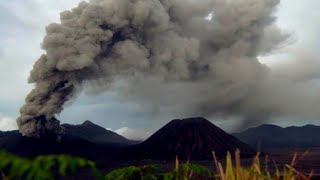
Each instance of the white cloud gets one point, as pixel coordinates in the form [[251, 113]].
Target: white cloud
[[109, 129], [7, 124], [133, 134]]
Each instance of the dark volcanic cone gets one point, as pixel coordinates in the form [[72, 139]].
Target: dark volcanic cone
[[193, 139]]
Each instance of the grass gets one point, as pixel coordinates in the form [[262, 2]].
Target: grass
[[51, 167], [234, 170]]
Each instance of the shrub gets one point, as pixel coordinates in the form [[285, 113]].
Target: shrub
[[42, 167], [136, 173]]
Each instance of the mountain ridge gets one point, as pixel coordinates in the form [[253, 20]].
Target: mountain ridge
[[96, 134], [192, 138], [273, 136]]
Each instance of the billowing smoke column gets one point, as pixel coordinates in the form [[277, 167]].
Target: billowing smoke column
[[167, 51]]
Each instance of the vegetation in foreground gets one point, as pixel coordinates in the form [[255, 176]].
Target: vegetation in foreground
[[53, 167]]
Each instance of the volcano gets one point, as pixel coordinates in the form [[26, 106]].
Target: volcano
[[194, 139]]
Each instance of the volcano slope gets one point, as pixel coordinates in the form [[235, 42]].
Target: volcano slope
[[86, 140], [96, 134], [194, 139]]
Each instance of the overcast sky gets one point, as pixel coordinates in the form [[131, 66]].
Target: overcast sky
[[22, 29]]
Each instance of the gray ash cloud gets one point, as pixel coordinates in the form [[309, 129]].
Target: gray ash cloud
[[165, 51]]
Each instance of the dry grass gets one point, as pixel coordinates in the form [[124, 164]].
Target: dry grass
[[233, 170]]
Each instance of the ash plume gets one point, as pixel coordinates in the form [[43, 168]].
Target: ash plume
[[166, 52]]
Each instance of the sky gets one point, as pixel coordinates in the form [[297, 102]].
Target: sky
[[22, 28]]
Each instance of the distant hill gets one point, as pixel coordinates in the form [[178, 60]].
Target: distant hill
[[86, 140], [2, 133], [95, 134], [193, 138], [272, 136], [14, 143]]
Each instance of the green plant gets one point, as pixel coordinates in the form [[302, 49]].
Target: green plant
[[181, 172], [42, 167], [188, 171], [135, 173]]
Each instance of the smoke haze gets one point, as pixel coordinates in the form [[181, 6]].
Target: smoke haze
[[165, 53]]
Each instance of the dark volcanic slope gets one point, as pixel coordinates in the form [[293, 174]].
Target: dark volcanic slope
[[14, 143], [272, 136], [86, 140], [95, 134], [193, 138]]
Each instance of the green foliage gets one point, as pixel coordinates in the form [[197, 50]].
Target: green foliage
[[183, 172], [188, 171], [42, 167], [136, 173]]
